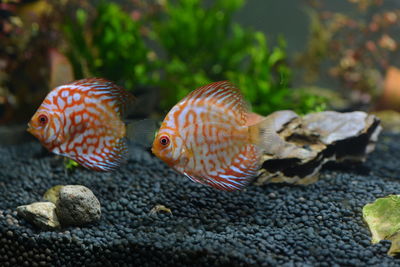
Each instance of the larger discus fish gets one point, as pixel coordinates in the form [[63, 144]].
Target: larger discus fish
[[83, 121], [211, 137]]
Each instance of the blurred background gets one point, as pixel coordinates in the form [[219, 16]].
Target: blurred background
[[305, 55]]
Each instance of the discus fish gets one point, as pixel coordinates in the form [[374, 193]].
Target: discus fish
[[83, 121], [211, 137]]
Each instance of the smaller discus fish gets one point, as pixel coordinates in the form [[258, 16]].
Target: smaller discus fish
[[211, 137], [83, 121]]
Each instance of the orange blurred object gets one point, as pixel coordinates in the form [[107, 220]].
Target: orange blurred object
[[390, 98], [60, 69]]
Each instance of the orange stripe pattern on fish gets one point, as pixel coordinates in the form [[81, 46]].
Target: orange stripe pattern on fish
[[207, 137], [82, 121]]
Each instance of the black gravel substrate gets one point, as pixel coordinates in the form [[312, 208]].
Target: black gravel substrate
[[317, 225]]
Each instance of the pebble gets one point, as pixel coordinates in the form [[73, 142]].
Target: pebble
[[77, 205], [41, 214]]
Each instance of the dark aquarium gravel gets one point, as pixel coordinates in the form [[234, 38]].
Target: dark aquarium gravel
[[317, 225]]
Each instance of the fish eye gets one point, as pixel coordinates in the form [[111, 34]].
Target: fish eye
[[43, 119], [164, 140]]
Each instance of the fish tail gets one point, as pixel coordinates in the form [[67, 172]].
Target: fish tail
[[264, 135], [141, 131]]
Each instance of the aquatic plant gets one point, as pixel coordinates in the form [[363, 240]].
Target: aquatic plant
[[194, 44], [355, 48], [197, 44], [110, 45], [265, 81], [70, 164], [202, 44]]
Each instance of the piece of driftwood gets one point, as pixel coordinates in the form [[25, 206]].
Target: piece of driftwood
[[300, 146]]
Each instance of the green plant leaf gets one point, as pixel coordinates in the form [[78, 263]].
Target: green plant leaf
[[70, 164], [383, 217]]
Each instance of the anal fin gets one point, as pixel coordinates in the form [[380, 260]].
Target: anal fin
[[242, 170], [107, 160]]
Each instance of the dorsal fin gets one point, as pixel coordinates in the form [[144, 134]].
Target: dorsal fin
[[223, 94], [117, 97]]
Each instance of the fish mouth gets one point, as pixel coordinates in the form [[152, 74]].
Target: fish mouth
[[30, 129], [155, 152]]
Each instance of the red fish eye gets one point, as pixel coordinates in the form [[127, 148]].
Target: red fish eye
[[43, 119], [164, 140]]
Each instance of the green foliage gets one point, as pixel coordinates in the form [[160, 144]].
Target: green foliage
[[200, 38], [307, 102], [109, 46], [203, 45], [197, 44], [264, 79], [70, 164]]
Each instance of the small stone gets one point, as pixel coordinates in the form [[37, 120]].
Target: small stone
[[77, 205], [52, 194], [41, 214]]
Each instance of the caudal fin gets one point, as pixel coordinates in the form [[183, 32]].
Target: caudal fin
[[142, 131], [264, 135]]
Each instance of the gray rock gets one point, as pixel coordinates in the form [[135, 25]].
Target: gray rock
[[334, 126], [41, 214], [300, 146], [77, 205]]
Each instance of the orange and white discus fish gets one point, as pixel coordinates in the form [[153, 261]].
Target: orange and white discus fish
[[211, 137], [82, 121]]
